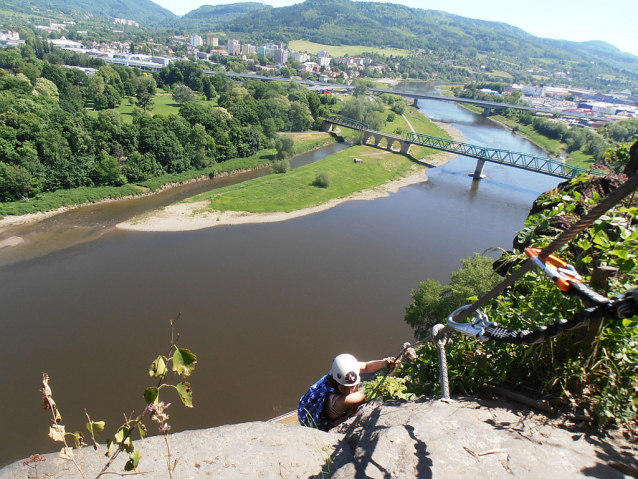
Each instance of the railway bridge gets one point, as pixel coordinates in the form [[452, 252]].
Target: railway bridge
[[526, 161]]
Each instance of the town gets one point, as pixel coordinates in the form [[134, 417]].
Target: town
[[273, 59]]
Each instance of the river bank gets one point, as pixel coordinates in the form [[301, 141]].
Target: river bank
[[194, 216], [10, 221]]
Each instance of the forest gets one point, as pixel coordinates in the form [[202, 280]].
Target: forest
[[48, 141]]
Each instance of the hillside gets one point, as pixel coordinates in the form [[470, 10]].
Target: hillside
[[337, 22], [144, 12], [208, 16]]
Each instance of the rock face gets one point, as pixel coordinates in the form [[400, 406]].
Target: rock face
[[424, 439]]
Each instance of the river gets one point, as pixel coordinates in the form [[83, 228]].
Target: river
[[265, 307]]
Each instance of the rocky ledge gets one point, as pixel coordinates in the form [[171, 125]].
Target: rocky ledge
[[464, 438]]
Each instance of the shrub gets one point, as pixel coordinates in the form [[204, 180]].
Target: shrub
[[280, 166], [323, 180]]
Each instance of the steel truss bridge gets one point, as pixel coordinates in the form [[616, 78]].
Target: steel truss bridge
[[524, 161]]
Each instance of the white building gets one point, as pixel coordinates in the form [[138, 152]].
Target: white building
[[248, 49], [65, 44], [310, 67], [323, 58], [196, 41], [301, 57], [212, 41], [124, 21], [234, 47], [281, 56], [533, 90]]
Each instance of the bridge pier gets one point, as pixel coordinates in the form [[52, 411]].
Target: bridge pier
[[326, 126], [478, 172], [416, 102], [405, 147], [487, 110]]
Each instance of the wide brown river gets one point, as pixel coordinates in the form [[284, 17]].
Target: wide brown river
[[265, 307]]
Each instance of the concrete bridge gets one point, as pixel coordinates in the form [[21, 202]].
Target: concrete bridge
[[525, 161], [370, 137], [488, 106]]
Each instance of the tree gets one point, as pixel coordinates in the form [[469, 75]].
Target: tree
[[361, 87], [183, 94], [145, 100], [399, 107], [107, 170], [208, 89], [300, 117], [433, 302], [15, 182], [285, 147], [47, 88]]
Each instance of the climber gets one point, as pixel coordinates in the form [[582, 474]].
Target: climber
[[336, 396]]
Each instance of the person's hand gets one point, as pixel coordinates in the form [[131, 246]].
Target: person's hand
[[390, 363], [410, 354]]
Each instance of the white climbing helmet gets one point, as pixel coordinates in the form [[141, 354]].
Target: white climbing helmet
[[345, 370]]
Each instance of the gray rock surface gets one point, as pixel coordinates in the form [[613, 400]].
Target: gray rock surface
[[423, 439]]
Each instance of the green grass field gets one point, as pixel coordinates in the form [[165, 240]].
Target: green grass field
[[163, 105], [581, 159], [296, 189], [340, 51]]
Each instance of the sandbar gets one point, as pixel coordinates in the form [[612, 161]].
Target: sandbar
[[189, 216]]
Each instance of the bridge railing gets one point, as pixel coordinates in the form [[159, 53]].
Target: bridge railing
[[349, 122], [512, 158]]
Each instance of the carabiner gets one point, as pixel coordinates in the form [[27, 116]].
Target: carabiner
[[562, 273], [475, 328]]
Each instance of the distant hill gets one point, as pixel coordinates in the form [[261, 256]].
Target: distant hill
[[337, 22], [208, 16], [144, 12]]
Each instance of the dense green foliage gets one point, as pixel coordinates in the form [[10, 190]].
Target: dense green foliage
[[433, 302], [48, 142], [428, 44], [591, 371], [442, 35], [209, 16], [142, 11]]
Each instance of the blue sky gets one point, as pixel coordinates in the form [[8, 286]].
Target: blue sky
[[613, 21]]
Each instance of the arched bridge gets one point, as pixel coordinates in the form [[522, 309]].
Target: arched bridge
[[525, 161]]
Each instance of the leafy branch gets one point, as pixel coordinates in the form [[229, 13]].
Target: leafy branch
[[181, 362]]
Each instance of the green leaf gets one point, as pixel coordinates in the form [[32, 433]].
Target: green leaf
[[158, 368], [77, 439], [601, 239], [134, 460], [184, 362], [141, 428], [127, 445], [185, 393], [151, 395], [121, 434], [621, 253], [95, 427], [109, 447], [629, 323]]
